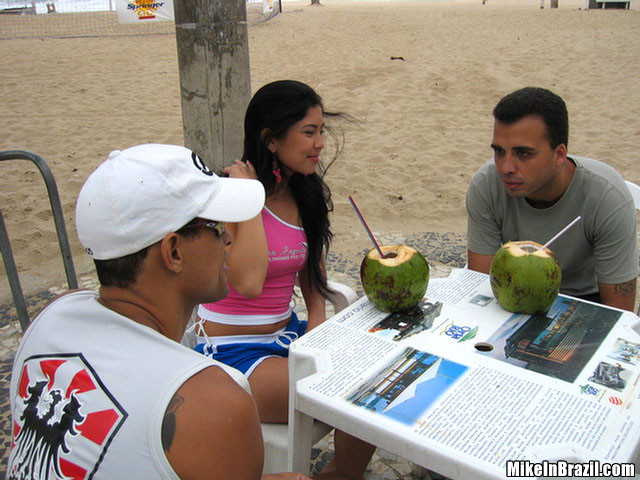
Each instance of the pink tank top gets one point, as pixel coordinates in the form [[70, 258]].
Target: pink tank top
[[287, 256]]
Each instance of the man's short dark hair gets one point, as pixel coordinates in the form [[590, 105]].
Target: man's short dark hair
[[123, 272], [536, 101], [120, 272]]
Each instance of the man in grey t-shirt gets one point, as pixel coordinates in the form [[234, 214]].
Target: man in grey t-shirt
[[532, 190]]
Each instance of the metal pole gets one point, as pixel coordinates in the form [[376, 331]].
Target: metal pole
[[215, 87]]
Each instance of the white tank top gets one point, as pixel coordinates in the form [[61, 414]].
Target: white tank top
[[89, 390]]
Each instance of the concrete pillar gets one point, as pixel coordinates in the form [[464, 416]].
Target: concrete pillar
[[215, 85]]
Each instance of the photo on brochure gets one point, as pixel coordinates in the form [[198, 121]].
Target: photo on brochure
[[398, 326], [625, 351], [611, 376], [558, 344], [407, 386], [481, 300]]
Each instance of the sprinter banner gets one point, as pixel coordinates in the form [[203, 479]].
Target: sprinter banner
[[132, 11]]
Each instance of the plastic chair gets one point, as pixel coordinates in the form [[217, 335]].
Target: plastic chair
[[635, 193], [276, 435], [58, 219]]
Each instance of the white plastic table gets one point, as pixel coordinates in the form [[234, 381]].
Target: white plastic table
[[468, 390]]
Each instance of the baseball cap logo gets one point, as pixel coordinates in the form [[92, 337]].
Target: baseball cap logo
[[200, 165]]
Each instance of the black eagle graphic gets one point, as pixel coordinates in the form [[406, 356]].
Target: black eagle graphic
[[48, 418]]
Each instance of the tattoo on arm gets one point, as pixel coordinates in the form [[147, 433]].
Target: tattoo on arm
[[626, 288], [169, 422]]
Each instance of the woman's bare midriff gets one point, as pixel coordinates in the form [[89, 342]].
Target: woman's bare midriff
[[214, 329]]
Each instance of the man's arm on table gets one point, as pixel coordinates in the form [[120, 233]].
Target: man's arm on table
[[619, 295], [478, 262], [211, 431]]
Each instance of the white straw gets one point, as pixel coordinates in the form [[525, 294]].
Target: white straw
[[575, 220]]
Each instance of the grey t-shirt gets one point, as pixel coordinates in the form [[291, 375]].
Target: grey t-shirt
[[603, 247]]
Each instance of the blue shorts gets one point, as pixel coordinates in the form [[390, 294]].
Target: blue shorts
[[245, 352]]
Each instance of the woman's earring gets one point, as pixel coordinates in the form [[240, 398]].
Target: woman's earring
[[276, 171]]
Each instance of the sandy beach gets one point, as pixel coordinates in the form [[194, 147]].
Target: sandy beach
[[424, 125]]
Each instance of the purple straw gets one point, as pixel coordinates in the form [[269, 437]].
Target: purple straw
[[355, 207]]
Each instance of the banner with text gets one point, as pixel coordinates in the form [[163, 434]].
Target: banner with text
[[132, 11]]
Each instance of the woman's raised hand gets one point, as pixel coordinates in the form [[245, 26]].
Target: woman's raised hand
[[241, 169]]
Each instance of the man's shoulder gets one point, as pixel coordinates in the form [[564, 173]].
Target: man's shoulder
[[485, 176], [486, 181], [597, 168], [73, 295], [216, 379], [599, 177], [68, 300], [216, 428], [487, 168]]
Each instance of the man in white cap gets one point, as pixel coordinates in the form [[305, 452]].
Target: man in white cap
[[101, 387]]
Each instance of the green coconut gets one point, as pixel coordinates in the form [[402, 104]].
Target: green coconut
[[525, 278], [397, 282]]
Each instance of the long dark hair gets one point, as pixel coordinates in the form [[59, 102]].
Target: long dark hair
[[272, 111]]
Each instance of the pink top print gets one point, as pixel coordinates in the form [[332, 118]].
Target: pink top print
[[287, 256]]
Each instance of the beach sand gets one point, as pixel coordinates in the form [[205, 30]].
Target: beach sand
[[424, 125]]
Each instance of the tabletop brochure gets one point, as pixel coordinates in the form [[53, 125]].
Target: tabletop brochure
[[460, 371]]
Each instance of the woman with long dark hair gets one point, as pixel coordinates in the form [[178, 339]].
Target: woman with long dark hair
[[251, 328]]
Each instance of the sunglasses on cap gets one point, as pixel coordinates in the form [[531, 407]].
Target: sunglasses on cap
[[217, 227]]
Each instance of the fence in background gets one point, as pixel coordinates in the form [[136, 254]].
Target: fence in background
[[90, 18]]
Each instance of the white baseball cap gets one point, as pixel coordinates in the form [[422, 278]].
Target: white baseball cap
[[138, 195]]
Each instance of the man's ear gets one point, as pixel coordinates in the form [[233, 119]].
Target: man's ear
[[271, 144], [171, 252], [560, 154]]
